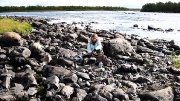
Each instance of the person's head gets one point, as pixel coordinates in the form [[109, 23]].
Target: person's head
[[94, 38]]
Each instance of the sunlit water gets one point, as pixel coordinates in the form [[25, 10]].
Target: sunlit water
[[122, 21]]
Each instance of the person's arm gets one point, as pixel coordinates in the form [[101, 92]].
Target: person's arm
[[89, 47], [98, 45]]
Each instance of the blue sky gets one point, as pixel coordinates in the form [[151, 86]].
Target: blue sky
[[121, 3]]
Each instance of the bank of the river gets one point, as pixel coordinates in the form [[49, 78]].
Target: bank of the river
[[40, 66]]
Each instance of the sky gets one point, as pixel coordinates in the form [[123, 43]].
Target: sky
[[119, 3]]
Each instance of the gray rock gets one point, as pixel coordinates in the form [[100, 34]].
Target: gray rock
[[72, 78], [52, 82], [49, 70], [31, 80], [66, 53], [159, 95], [3, 57], [80, 94], [83, 75], [98, 98], [117, 46], [20, 52], [7, 98], [7, 81], [67, 91], [32, 91]]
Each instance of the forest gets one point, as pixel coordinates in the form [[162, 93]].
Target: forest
[[168, 7], [60, 8]]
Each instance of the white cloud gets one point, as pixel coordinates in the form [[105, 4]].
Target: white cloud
[[122, 3]]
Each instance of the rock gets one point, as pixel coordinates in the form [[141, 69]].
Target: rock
[[71, 78], [135, 25], [141, 49], [98, 98], [47, 58], [142, 79], [65, 62], [7, 82], [151, 27], [83, 75], [49, 70], [82, 38], [3, 57], [7, 98], [117, 46], [10, 39], [67, 91], [130, 84], [159, 95], [32, 91], [31, 80], [66, 53], [20, 52], [52, 82], [80, 94]]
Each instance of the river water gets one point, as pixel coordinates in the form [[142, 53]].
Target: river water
[[122, 21]]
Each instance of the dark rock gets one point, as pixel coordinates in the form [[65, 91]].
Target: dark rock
[[163, 94], [20, 52], [54, 70]]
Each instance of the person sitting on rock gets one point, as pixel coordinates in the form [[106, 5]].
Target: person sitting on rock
[[95, 52]]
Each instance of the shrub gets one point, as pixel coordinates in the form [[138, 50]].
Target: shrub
[[175, 60], [10, 25]]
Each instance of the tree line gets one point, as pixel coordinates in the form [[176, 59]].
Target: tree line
[[59, 8], [168, 7]]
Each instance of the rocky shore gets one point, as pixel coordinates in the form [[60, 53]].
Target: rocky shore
[[41, 67]]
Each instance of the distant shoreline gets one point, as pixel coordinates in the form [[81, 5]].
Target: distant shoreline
[[62, 8]]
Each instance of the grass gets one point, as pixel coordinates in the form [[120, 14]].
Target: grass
[[175, 60], [10, 25]]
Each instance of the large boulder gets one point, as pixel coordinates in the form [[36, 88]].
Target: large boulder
[[117, 46], [10, 39], [159, 95], [66, 53]]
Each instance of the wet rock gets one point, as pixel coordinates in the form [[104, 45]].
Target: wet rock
[[151, 27], [135, 25]]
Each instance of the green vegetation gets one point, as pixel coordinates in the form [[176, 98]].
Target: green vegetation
[[10, 25], [175, 60], [168, 7], [59, 8]]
